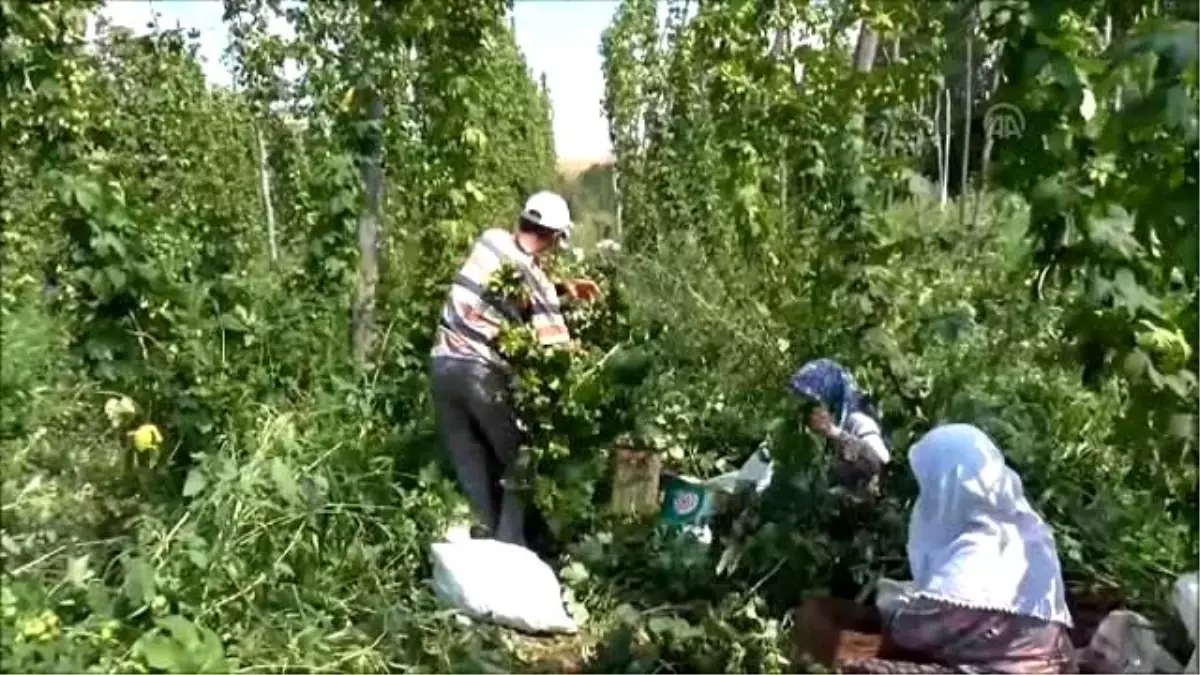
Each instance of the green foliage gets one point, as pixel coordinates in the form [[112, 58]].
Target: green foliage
[[1111, 116]]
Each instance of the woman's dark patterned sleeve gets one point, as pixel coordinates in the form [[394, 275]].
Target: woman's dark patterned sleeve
[[856, 466]]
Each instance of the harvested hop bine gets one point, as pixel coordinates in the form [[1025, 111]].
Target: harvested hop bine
[[563, 400], [146, 438]]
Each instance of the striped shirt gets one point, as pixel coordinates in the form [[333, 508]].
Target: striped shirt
[[473, 316]]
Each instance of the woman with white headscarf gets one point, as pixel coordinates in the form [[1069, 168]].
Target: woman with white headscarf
[[989, 594]]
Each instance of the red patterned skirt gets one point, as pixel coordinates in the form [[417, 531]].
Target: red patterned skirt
[[961, 640]]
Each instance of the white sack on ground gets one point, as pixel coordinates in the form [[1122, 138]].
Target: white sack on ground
[[503, 583], [1187, 603]]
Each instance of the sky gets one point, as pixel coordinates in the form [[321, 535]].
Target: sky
[[560, 38]]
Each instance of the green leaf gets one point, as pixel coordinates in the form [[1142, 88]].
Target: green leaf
[[115, 277], [185, 648], [162, 653], [78, 572], [198, 557], [285, 481], [87, 195], [1179, 114], [1114, 231], [232, 322], [1182, 426], [1128, 293], [1181, 384], [661, 624], [1174, 40], [575, 573], [140, 585], [1137, 363], [475, 138], [181, 629], [1188, 252], [210, 653], [100, 599], [195, 483]]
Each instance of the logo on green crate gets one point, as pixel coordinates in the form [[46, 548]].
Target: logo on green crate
[[686, 502]]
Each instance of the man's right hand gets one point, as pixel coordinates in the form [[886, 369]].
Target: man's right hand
[[582, 289]]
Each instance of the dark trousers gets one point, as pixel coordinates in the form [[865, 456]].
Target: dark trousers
[[479, 430]]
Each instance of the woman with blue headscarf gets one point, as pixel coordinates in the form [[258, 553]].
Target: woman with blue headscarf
[[839, 411]]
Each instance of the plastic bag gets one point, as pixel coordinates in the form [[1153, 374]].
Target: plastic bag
[[503, 583], [756, 471], [702, 533], [1186, 599], [891, 595], [1125, 643]]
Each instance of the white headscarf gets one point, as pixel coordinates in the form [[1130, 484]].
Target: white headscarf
[[974, 540]]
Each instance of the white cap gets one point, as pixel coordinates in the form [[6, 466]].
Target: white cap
[[549, 211]]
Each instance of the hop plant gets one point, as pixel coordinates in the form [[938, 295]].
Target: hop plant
[[146, 438], [1170, 346], [118, 410]]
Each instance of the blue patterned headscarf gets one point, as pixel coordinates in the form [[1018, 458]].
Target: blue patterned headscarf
[[825, 381]]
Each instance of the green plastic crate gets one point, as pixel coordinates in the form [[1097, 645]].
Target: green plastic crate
[[687, 501]]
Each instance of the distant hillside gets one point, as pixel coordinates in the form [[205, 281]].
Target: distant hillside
[[571, 167], [587, 186]]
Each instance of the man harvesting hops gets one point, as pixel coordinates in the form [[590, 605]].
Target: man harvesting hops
[[471, 380]]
